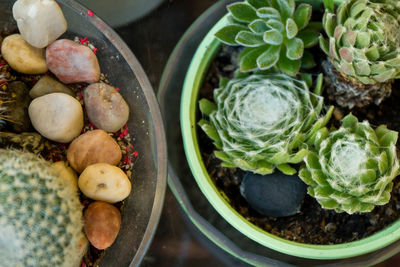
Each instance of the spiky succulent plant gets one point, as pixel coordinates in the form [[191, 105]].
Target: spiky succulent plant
[[260, 122], [274, 33], [351, 169], [364, 47], [40, 215]]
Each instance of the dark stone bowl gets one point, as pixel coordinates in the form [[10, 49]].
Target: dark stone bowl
[[149, 176]]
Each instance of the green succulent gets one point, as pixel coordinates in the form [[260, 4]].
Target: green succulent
[[273, 32], [364, 39], [351, 169], [40, 215], [260, 122]]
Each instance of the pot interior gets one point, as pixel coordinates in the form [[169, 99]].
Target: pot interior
[[142, 208]]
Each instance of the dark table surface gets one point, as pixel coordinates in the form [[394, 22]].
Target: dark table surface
[[177, 242]]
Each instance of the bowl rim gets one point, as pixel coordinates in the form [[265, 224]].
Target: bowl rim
[[193, 81], [159, 132]]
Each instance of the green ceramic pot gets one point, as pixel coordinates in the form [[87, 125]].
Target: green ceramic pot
[[189, 107]]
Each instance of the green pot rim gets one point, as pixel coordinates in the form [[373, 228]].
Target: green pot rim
[[193, 82]]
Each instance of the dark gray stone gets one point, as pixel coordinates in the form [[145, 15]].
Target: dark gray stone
[[275, 195]]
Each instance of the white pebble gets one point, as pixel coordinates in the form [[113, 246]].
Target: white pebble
[[40, 22], [57, 116], [102, 181]]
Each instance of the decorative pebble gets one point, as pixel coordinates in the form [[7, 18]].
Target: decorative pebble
[[102, 224], [275, 195], [39, 22], [93, 147], [72, 62], [57, 116], [23, 57], [330, 227], [102, 181], [18, 107], [105, 107], [47, 85]]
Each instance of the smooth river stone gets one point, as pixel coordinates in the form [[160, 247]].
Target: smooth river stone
[[275, 195], [92, 147], [23, 57], [105, 107], [72, 62], [57, 116], [47, 85], [40, 22], [102, 224]]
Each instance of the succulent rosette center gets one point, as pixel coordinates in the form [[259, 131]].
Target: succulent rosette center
[[262, 121], [351, 169], [347, 161], [261, 110]]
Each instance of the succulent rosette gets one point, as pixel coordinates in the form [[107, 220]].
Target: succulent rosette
[[363, 46], [273, 32], [261, 122], [351, 169]]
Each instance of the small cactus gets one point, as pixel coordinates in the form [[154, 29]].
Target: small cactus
[[40, 214]]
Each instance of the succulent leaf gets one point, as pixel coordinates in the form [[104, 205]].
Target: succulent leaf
[[228, 34], [206, 106], [295, 48], [273, 37], [291, 28], [249, 39], [269, 58], [309, 38], [302, 15], [286, 8], [257, 3], [351, 169], [329, 4], [276, 24], [324, 44], [266, 23], [288, 66], [258, 26], [261, 121], [268, 13], [248, 57], [365, 34], [243, 12]]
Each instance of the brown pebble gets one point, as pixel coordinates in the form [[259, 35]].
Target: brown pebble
[[93, 147], [102, 224]]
